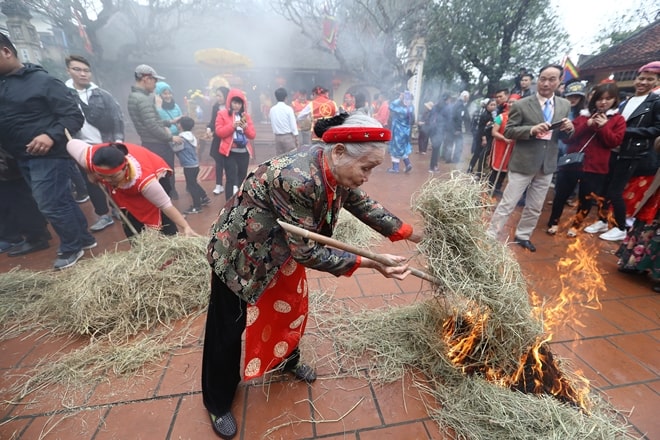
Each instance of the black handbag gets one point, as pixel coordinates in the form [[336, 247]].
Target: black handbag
[[575, 158]]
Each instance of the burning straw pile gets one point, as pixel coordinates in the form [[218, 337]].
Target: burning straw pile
[[477, 341], [123, 302]]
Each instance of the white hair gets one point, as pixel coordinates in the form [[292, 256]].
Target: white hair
[[357, 149]]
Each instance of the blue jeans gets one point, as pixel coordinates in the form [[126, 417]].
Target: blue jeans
[[49, 179]]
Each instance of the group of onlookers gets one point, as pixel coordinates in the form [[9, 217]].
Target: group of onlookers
[[535, 143]]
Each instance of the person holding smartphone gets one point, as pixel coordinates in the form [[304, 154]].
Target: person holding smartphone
[[598, 129]]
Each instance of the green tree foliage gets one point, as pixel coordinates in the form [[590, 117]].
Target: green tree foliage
[[484, 41]]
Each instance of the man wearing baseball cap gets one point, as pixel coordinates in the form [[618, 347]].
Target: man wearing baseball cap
[[145, 70], [149, 126], [635, 156]]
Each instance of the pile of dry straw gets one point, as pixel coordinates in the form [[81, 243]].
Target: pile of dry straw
[[120, 304], [479, 277]]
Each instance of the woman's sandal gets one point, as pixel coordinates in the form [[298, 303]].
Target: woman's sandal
[[552, 230]]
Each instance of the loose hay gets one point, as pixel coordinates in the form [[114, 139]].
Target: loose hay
[[118, 294], [123, 301], [352, 231], [480, 279]]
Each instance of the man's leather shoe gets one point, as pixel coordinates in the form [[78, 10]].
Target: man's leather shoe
[[526, 244], [26, 248]]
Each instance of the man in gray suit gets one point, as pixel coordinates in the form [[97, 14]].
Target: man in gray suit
[[536, 123]]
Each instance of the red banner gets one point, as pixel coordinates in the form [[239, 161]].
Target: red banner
[[330, 29]]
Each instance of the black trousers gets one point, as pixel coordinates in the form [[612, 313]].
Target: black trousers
[[20, 216], [193, 187], [236, 165], [621, 170], [221, 358], [591, 185], [423, 141]]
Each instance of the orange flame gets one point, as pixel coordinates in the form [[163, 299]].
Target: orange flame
[[538, 371]]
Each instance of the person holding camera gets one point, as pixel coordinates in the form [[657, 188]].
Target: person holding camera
[[598, 129], [234, 127]]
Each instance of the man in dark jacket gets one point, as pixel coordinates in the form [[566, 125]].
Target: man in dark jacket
[[457, 117], [36, 108], [154, 134]]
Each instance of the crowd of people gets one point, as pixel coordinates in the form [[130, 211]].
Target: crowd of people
[[592, 143], [586, 141]]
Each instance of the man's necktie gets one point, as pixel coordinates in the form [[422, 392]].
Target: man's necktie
[[547, 111]]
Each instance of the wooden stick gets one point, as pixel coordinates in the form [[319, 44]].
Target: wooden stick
[[353, 249], [120, 213]]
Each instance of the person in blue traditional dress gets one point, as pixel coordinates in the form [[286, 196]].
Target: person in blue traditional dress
[[402, 115]]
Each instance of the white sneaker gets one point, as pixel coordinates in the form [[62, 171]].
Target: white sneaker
[[614, 234], [218, 190], [599, 226]]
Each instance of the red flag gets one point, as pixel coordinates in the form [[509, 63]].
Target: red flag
[[83, 33], [330, 29]]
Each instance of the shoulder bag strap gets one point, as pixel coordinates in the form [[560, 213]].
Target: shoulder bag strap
[[587, 143]]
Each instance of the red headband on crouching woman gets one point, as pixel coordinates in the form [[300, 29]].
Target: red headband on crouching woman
[[108, 171], [356, 134]]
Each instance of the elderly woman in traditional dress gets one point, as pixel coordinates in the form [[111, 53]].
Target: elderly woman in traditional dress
[[258, 279]]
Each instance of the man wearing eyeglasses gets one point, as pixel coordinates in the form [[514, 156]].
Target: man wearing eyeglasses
[[36, 109], [103, 123]]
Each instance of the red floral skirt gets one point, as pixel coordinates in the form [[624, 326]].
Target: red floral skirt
[[633, 195], [276, 322]]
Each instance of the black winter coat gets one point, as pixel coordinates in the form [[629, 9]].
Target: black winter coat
[[32, 102]]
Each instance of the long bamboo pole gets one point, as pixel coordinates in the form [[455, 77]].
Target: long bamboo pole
[[353, 249]]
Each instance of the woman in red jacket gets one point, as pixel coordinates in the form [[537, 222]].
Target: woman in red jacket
[[234, 127], [598, 129]]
